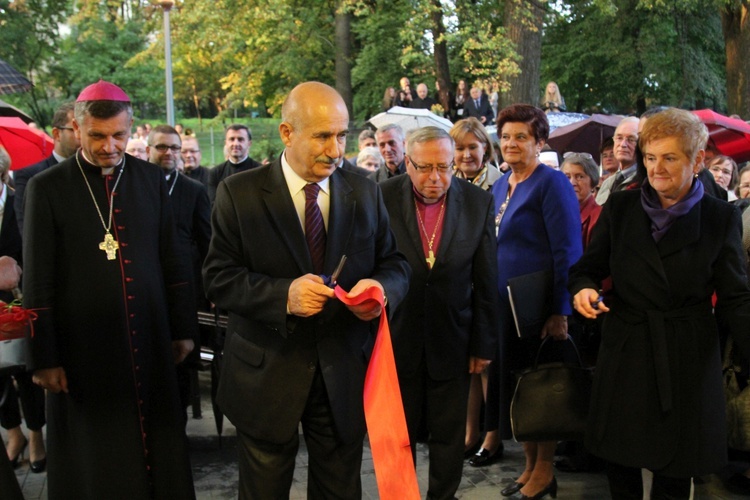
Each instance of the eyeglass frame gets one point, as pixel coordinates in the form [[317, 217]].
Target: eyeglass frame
[[424, 169], [162, 148]]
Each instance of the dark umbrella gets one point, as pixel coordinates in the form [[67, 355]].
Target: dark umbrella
[[8, 110], [11, 81], [730, 136], [216, 362], [585, 136], [24, 144]]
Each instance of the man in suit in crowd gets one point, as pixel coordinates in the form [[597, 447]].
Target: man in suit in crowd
[[626, 143], [294, 353], [479, 107], [191, 155], [390, 139], [446, 327], [66, 143], [237, 143], [192, 212]]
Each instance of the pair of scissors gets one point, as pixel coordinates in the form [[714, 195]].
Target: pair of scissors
[[332, 280]]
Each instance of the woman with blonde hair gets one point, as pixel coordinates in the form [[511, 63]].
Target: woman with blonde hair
[[474, 153], [553, 101]]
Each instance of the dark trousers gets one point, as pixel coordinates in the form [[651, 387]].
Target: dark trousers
[[266, 469], [626, 483], [32, 399], [437, 409]]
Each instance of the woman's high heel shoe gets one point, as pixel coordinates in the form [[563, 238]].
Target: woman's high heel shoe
[[512, 489], [551, 490], [15, 460]]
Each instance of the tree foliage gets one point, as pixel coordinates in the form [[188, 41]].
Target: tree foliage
[[243, 56]]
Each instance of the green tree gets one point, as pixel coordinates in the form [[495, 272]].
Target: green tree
[[29, 41]]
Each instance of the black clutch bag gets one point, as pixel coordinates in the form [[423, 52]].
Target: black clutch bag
[[551, 401]]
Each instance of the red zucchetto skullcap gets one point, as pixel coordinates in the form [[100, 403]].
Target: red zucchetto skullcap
[[103, 91]]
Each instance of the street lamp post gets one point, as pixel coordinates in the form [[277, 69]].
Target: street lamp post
[[167, 5]]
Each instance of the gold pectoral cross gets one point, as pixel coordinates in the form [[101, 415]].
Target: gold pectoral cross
[[110, 246], [430, 259]]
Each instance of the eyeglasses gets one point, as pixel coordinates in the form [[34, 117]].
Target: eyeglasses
[[631, 139], [65, 128], [570, 154], [162, 148], [427, 169]]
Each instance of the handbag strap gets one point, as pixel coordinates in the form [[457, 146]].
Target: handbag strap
[[575, 348]]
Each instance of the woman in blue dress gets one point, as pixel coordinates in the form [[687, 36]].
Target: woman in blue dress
[[538, 228]]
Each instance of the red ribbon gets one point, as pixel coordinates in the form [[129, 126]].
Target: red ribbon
[[14, 319], [384, 411]]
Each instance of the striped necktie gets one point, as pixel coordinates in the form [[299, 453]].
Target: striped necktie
[[315, 231]]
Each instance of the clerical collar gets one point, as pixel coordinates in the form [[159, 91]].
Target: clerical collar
[[104, 171], [238, 162], [421, 199]]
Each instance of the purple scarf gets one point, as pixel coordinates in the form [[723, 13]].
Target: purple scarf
[[663, 218]]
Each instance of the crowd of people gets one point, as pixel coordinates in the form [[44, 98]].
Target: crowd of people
[[122, 238]]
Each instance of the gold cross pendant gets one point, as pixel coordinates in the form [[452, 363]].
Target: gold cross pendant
[[431, 259], [110, 246]]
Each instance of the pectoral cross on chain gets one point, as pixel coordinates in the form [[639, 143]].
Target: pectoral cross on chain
[[430, 259], [110, 246]]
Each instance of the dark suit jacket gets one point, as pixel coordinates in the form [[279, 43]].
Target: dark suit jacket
[[484, 110], [450, 312], [21, 178], [257, 249], [192, 213], [658, 400]]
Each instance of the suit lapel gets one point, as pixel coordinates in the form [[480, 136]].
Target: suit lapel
[[453, 204], [278, 203], [409, 216], [340, 219], [639, 240]]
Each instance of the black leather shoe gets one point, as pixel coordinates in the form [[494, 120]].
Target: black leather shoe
[[551, 490], [512, 489], [38, 466], [469, 452], [484, 457]]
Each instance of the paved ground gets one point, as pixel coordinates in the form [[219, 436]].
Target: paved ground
[[215, 470]]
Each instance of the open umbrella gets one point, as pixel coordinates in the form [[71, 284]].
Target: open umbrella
[[24, 144], [8, 110], [561, 119], [409, 119], [730, 136], [11, 81], [585, 136]]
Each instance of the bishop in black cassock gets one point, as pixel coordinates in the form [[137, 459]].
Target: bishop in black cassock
[[111, 324]]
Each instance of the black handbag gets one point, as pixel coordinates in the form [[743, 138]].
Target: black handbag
[[551, 401]]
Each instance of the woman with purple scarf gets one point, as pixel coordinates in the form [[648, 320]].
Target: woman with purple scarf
[[658, 400]]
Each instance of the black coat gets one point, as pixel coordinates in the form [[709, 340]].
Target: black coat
[[21, 179], [450, 312], [119, 433], [257, 249], [658, 399], [224, 170], [192, 213]]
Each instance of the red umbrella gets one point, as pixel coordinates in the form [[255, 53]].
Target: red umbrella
[[24, 144], [585, 136], [730, 136]]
